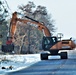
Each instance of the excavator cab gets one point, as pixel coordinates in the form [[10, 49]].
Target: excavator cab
[[48, 42]]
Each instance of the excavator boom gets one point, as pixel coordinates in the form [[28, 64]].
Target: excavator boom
[[32, 22]]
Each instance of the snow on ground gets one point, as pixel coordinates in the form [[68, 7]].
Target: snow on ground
[[18, 62]]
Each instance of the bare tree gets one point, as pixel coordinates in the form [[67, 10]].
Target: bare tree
[[3, 21], [32, 40]]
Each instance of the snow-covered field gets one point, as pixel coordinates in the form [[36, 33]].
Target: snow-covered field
[[18, 62]]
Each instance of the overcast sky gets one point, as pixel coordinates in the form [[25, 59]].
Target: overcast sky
[[62, 11]]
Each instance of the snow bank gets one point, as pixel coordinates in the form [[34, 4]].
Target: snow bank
[[18, 62]]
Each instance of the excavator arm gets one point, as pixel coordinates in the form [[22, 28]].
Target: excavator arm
[[29, 21]]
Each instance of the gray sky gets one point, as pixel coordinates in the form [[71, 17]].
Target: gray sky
[[62, 11]]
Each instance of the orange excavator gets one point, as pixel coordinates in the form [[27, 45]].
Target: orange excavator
[[49, 43]]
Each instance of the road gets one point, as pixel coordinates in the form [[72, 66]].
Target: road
[[52, 67]]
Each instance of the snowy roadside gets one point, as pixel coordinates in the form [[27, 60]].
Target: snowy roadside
[[17, 62]]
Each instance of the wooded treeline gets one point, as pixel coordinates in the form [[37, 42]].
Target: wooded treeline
[[28, 39]]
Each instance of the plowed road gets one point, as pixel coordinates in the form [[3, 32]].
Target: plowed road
[[52, 67]]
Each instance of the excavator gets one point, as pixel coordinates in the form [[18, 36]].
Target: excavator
[[49, 43]]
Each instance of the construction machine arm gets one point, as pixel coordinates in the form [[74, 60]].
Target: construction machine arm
[[29, 21]]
